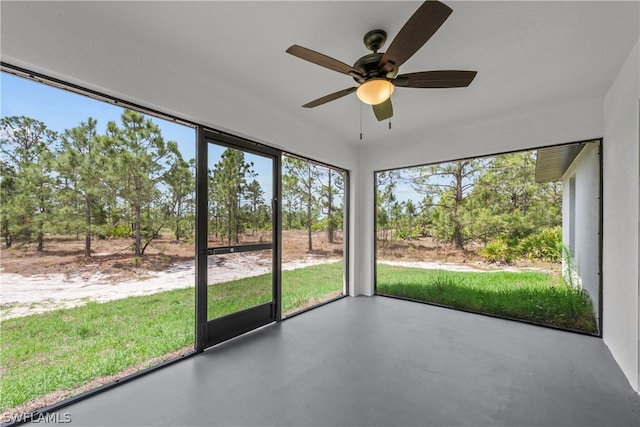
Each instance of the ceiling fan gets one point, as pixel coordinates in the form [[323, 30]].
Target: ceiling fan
[[377, 73]]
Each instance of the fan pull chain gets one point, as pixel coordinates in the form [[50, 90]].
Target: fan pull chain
[[389, 123], [360, 121]]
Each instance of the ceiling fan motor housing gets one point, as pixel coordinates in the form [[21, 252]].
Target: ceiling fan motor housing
[[369, 66]]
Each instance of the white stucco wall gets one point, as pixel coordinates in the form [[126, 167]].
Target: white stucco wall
[[620, 218], [577, 121], [585, 249]]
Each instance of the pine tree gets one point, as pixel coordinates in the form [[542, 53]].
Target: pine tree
[[331, 187], [457, 178], [303, 176], [228, 183], [81, 153], [139, 161], [181, 183], [8, 189], [25, 149], [255, 197]]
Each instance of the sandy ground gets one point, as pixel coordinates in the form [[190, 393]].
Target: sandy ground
[[24, 295], [476, 268], [60, 277]]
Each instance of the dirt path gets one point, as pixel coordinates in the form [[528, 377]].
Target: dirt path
[[475, 268], [22, 295]]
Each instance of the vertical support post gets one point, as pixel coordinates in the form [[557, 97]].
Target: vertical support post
[[600, 237], [277, 235], [346, 231], [202, 233]]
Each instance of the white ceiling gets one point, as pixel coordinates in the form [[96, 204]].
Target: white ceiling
[[224, 64]]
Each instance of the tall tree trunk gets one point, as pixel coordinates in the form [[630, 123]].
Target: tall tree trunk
[[236, 233], [40, 246], [457, 228], [87, 221], [329, 208], [229, 225], [524, 189], [216, 217], [137, 247], [40, 231], [389, 236], [178, 211], [178, 215], [309, 222], [309, 202], [457, 236], [7, 234]]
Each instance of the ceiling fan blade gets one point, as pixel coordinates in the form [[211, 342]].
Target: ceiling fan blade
[[414, 34], [330, 97], [323, 60], [384, 110], [435, 79]]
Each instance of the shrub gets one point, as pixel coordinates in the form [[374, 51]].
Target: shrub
[[545, 245], [497, 251], [402, 234], [107, 231]]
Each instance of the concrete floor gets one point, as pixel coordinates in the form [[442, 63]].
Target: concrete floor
[[380, 361]]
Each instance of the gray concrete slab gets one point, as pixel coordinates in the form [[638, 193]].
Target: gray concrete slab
[[380, 361]]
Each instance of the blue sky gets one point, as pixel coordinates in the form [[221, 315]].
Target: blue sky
[[60, 109]]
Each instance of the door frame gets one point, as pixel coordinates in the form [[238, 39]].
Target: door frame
[[212, 332]]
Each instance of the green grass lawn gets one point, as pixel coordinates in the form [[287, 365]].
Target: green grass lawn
[[65, 348], [300, 288], [531, 296]]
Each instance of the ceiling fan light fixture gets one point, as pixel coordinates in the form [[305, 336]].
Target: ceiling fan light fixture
[[375, 91], [377, 73]]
